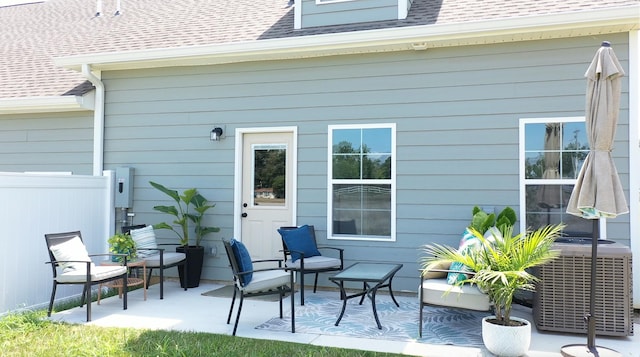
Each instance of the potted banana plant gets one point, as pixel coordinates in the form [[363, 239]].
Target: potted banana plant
[[188, 212], [501, 263]]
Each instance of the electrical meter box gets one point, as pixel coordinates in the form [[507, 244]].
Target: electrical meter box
[[124, 187]]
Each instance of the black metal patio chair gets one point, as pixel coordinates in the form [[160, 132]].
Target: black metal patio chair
[[249, 282], [71, 264]]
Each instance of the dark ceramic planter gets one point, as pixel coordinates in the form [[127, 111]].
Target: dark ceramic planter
[[195, 260]]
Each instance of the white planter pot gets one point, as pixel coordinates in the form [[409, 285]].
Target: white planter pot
[[506, 341]]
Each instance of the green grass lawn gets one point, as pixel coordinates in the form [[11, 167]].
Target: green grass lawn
[[32, 334]]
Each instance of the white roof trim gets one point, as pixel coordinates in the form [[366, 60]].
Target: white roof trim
[[582, 23], [51, 104]]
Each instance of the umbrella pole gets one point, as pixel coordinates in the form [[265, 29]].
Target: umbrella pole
[[590, 349], [590, 318]]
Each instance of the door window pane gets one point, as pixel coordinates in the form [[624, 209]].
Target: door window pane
[[269, 174]]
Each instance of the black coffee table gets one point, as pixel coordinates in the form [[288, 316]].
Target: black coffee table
[[373, 276]]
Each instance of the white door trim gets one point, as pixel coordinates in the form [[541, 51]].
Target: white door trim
[[237, 182]]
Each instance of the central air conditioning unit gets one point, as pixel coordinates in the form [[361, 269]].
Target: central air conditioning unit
[[562, 295]]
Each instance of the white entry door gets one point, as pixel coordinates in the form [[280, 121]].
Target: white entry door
[[268, 192]]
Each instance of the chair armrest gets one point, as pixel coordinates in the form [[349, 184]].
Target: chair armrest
[[67, 261], [327, 247], [423, 271], [161, 250], [108, 255], [259, 270], [448, 271], [267, 261], [289, 251]]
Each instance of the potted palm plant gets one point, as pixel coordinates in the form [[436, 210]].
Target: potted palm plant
[[501, 265], [188, 213]]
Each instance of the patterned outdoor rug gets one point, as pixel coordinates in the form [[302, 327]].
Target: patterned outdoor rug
[[441, 325]]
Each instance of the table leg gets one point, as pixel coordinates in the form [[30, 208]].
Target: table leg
[[365, 291], [391, 293], [343, 296], [373, 305]]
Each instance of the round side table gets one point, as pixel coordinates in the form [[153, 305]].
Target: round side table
[[130, 281]]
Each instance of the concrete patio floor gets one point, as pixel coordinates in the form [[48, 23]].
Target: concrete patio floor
[[191, 311]]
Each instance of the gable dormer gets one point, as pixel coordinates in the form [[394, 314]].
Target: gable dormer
[[314, 13]]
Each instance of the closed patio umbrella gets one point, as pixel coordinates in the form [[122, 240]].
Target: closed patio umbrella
[[598, 192]]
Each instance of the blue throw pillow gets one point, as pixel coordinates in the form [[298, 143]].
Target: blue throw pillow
[[244, 261], [301, 240]]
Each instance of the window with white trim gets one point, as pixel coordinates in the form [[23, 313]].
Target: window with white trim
[[361, 175], [552, 151]]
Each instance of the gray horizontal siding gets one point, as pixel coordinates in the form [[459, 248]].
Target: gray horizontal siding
[[47, 142], [456, 111]]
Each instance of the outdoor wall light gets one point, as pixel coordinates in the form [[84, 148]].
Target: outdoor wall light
[[216, 133]]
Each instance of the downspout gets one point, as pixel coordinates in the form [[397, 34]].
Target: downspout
[[98, 120]]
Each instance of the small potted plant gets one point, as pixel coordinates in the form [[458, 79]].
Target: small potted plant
[[501, 263], [120, 243]]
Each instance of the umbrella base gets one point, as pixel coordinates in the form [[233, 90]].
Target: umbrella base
[[584, 350]]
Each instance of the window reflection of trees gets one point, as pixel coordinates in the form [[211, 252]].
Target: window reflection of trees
[[555, 151], [572, 154], [353, 163], [269, 175]]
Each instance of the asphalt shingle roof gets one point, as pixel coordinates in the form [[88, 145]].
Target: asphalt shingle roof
[[31, 35]]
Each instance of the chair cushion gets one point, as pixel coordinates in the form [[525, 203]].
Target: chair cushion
[[267, 280], [168, 258], [71, 250], [97, 273], [243, 258], [468, 243], [466, 296], [314, 263], [145, 238], [299, 239]]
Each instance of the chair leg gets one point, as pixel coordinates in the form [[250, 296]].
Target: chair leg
[[87, 289], [53, 296], [161, 282], [420, 319], [235, 327], [315, 284], [83, 297], [185, 275], [293, 312], [148, 277], [233, 301], [301, 288]]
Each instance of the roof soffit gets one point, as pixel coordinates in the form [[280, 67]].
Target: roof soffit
[[49, 104], [612, 20]]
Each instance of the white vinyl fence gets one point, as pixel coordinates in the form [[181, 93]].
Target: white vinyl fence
[[36, 204]]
